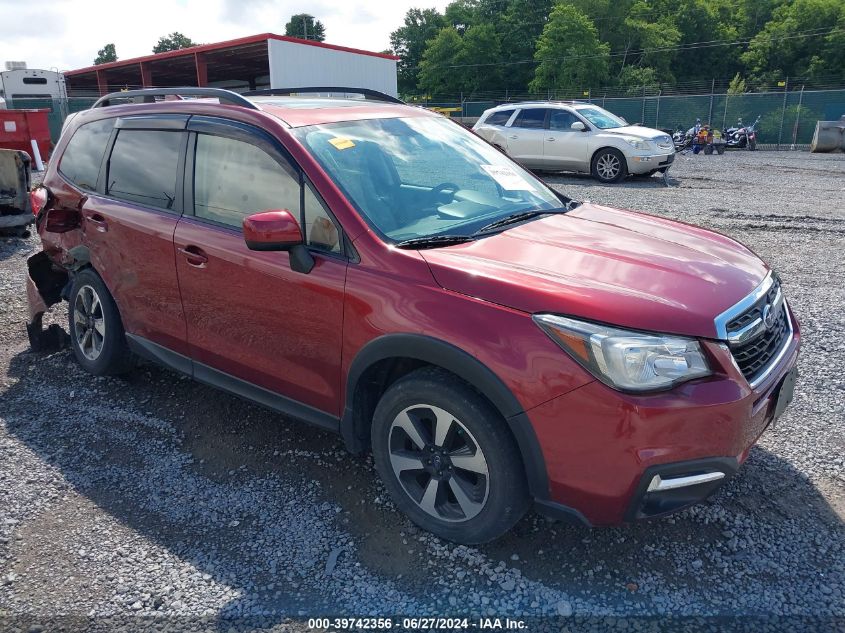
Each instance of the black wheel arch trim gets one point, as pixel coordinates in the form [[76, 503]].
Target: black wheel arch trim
[[454, 359]]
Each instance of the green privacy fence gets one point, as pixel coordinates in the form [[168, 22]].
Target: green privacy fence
[[786, 118]]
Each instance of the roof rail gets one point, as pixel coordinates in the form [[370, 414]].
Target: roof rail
[[149, 95], [375, 95]]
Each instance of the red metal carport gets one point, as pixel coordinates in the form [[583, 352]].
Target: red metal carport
[[243, 60]]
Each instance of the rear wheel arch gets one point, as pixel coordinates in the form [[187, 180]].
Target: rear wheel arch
[[390, 357]]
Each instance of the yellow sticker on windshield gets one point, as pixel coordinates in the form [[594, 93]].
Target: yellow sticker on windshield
[[341, 143]]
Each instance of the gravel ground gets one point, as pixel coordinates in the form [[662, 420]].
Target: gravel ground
[[153, 501]]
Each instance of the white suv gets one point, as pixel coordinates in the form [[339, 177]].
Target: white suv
[[572, 136]]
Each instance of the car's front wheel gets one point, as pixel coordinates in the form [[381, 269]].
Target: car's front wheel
[[609, 165], [447, 458], [96, 330]]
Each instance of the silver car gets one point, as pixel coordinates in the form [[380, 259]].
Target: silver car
[[573, 136]]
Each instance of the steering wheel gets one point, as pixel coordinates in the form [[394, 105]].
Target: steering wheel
[[443, 189]]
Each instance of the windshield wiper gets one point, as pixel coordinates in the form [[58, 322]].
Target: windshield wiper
[[519, 217], [433, 241]]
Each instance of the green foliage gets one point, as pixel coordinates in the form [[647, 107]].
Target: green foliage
[[569, 52], [634, 80], [173, 42], [618, 44], [304, 26], [737, 85], [775, 53], [480, 47], [105, 55], [437, 75], [409, 42]]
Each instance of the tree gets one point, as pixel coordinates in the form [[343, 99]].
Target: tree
[[798, 42], [105, 55], [569, 52], [173, 42], [437, 75], [737, 85], [409, 42], [519, 29], [304, 26], [478, 59], [650, 39]]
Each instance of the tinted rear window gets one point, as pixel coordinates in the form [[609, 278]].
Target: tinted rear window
[[499, 118], [143, 166], [82, 157], [533, 118]]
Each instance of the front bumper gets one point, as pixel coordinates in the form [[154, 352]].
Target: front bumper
[[644, 163], [603, 449]]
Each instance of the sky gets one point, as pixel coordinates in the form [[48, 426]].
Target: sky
[[66, 34]]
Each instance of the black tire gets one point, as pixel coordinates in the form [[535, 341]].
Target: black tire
[[708, 150], [720, 149], [752, 145], [113, 356], [480, 430], [608, 154]]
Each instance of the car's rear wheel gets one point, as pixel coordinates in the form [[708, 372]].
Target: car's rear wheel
[[96, 330], [447, 458], [608, 165]]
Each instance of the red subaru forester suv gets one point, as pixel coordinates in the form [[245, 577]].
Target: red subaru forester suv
[[376, 269]]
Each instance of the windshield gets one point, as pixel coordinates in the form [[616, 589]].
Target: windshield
[[423, 176], [601, 118]]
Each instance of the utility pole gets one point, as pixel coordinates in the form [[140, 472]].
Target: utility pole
[[305, 27]]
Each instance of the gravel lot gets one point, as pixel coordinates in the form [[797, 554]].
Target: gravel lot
[[156, 496]]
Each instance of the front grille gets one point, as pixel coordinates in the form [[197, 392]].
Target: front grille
[[754, 355]]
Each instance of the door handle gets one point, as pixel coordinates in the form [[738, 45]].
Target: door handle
[[514, 137], [98, 221], [194, 255], [551, 138]]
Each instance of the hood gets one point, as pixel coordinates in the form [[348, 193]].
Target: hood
[[607, 265], [638, 131]]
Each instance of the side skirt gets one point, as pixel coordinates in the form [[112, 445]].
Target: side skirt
[[236, 386]]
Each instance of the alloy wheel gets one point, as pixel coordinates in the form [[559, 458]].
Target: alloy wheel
[[89, 323], [439, 463], [608, 166]]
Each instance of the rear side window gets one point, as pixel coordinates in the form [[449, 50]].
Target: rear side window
[[80, 163], [534, 118], [143, 167], [498, 118]]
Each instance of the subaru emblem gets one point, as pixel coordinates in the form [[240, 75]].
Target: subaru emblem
[[768, 316]]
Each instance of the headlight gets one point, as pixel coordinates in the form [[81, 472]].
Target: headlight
[[637, 143], [627, 360]]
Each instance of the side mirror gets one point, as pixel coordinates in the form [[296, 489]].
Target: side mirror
[[271, 231], [578, 126], [278, 231]]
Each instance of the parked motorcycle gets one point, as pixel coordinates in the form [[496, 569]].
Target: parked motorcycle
[[742, 137]]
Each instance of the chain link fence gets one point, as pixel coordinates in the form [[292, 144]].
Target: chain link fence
[[787, 118]]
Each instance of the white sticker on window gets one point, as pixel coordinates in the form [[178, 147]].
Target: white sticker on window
[[10, 126], [507, 178]]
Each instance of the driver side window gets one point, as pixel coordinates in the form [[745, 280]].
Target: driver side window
[[234, 179], [562, 120]]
